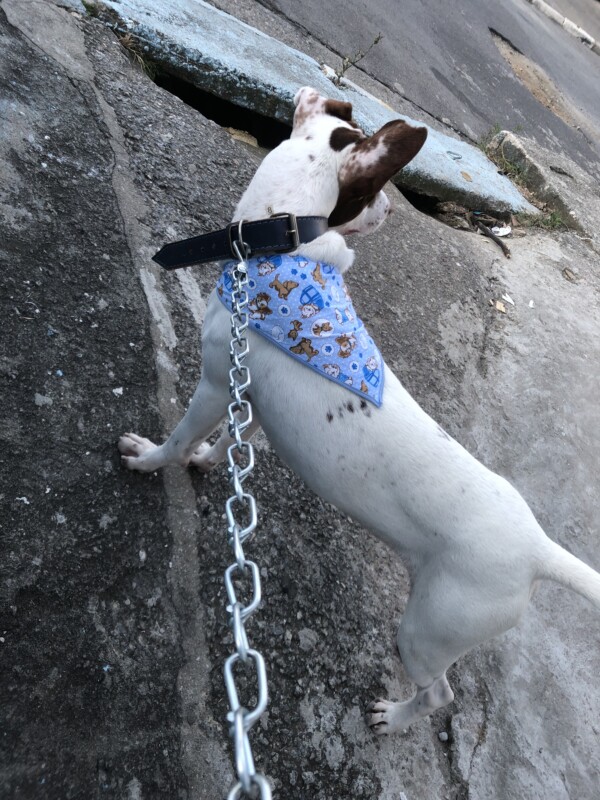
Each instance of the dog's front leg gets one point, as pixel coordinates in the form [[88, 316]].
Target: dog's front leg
[[206, 457], [207, 409]]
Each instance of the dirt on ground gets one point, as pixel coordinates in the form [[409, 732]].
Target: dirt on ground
[[541, 86]]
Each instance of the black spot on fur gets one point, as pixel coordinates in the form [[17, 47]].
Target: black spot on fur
[[329, 416], [350, 407], [311, 157], [364, 407]]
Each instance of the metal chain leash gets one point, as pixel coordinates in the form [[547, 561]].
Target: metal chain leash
[[240, 456]]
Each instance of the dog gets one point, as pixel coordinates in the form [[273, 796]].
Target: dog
[[259, 306], [322, 329], [296, 326], [316, 273], [305, 348], [282, 289], [473, 547], [347, 345]]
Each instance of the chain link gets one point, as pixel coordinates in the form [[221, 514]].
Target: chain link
[[240, 457]]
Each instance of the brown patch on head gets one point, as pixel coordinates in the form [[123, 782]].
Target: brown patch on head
[[371, 163], [309, 103], [306, 100], [339, 109], [342, 137]]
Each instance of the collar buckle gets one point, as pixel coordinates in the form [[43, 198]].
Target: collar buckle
[[292, 230]]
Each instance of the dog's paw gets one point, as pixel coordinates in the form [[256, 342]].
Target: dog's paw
[[203, 458], [380, 717], [138, 453], [206, 457]]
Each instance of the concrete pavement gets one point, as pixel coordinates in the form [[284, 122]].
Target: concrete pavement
[[112, 627], [442, 58], [216, 52]]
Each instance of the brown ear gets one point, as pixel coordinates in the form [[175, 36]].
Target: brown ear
[[339, 109], [371, 163]]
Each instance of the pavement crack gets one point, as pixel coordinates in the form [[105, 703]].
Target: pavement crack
[[306, 32], [485, 697], [182, 520]]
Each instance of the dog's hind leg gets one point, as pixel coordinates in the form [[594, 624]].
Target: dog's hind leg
[[385, 716], [446, 616]]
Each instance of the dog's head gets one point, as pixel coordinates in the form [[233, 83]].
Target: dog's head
[[329, 167], [364, 163]]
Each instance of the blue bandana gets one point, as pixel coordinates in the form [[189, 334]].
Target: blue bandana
[[304, 308]]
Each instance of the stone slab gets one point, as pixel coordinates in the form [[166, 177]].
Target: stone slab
[[220, 54]]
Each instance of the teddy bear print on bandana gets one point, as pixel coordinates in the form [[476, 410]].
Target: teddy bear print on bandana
[[304, 308]]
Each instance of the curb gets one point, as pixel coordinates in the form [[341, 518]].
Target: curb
[[567, 24], [555, 181]]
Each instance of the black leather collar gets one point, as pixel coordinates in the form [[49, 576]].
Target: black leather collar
[[281, 233]]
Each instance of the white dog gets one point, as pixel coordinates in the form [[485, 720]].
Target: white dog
[[474, 549]]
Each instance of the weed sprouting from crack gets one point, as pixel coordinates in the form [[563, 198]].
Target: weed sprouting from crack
[[484, 141], [91, 8], [136, 54], [510, 168], [97, 10], [352, 61], [516, 172], [553, 221]]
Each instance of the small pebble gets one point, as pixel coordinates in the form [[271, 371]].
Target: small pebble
[[443, 736]]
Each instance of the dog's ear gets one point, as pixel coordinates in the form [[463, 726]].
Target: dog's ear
[[310, 103], [370, 162], [339, 109], [304, 93]]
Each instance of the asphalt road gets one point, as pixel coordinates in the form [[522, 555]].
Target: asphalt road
[[442, 57]]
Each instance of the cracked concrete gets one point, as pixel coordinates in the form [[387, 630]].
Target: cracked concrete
[[113, 622], [554, 180], [218, 53]]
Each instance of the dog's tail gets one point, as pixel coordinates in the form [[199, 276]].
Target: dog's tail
[[559, 565]]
